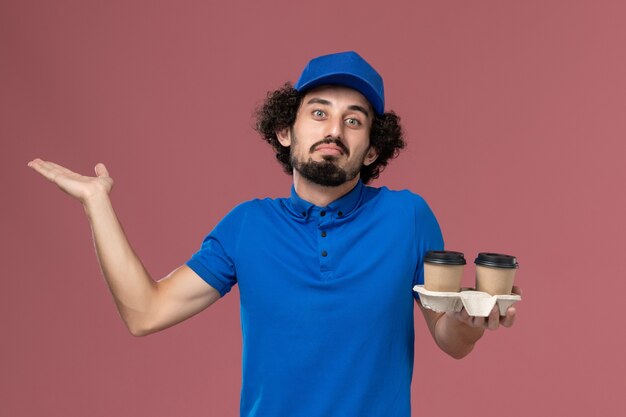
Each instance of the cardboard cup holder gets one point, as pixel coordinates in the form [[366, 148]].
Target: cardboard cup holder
[[476, 303]]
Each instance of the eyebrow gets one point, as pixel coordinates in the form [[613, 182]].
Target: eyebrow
[[324, 102]]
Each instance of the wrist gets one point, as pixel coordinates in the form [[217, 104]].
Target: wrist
[[96, 202]]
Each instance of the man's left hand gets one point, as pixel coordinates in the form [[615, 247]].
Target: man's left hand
[[491, 322]]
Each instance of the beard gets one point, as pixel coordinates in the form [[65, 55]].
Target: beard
[[326, 172]]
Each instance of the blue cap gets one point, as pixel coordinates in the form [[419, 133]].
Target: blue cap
[[347, 69]]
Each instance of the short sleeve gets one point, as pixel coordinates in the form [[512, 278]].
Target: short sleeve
[[215, 261], [428, 237]]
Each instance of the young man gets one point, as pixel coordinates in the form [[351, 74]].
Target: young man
[[325, 276]]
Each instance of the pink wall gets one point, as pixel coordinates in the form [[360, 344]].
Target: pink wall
[[515, 113]]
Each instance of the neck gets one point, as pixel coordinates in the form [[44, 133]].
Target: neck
[[320, 195]]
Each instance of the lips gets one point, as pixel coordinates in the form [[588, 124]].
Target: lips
[[330, 147]]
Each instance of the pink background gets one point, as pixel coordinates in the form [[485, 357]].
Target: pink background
[[515, 116]]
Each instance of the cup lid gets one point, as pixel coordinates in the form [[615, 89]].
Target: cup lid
[[445, 257], [497, 260]]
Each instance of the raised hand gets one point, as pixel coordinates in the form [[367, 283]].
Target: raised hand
[[81, 187]]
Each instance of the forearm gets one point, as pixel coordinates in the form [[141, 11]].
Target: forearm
[[131, 286], [455, 337]]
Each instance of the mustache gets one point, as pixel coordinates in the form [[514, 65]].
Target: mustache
[[327, 141]]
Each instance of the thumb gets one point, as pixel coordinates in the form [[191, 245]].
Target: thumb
[[101, 170]]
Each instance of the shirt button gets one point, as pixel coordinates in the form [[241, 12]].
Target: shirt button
[[323, 233], [340, 214], [323, 213], [324, 253]]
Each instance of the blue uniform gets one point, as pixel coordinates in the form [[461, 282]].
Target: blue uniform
[[326, 299]]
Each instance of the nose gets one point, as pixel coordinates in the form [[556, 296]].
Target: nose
[[334, 128]]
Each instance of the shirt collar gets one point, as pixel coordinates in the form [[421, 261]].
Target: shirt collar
[[343, 205]]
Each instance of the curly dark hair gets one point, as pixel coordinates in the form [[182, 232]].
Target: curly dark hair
[[279, 111]]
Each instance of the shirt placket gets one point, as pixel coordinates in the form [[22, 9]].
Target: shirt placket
[[324, 240]]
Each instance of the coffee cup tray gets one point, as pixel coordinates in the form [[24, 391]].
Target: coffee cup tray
[[476, 303]]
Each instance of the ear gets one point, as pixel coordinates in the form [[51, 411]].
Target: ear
[[284, 137], [371, 156]]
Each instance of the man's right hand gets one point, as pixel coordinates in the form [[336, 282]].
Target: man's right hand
[[81, 187], [146, 306]]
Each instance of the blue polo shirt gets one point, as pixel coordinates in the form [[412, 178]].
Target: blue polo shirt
[[326, 299]]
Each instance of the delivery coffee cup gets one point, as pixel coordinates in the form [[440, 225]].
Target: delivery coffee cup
[[443, 270], [495, 273]]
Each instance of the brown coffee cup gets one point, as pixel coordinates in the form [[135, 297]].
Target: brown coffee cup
[[495, 273], [443, 270]]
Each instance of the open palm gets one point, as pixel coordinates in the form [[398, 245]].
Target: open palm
[[78, 186]]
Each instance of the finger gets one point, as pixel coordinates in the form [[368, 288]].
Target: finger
[[101, 170], [61, 169], [50, 166], [456, 315], [472, 321], [479, 322], [517, 290], [33, 162], [493, 321], [509, 319], [48, 170], [464, 315], [45, 164]]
